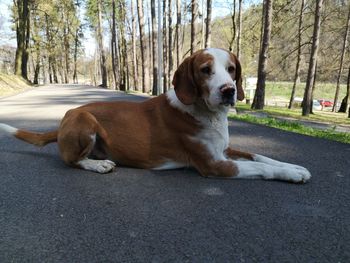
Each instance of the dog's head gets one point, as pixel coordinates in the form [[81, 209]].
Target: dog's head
[[211, 75]]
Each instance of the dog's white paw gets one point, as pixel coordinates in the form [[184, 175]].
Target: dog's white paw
[[297, 175], [99, 166]]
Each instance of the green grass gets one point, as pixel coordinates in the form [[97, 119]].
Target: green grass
[[294, 127]]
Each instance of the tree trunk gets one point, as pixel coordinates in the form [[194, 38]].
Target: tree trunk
[[23, 35], [177, 32], [208, 24], [100, 45], [194, 30], [154, 49], [233, 28], [165, 47], [297, 68], [345, 43], [239, 29], [133, 40], [313, 57], [170, 45], [76, 43], [345, 101], [114, 51], [144, 66], [259, 97]]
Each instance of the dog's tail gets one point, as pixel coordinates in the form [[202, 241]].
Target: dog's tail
[[38, 139]]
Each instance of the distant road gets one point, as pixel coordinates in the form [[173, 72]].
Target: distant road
[[53, 213]]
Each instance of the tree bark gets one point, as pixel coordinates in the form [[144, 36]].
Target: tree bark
[[154, 49], [100, 45], [114, 52], [259, 97], [133, 40], [194, 30], [177, 32], [165, 40], [170, 45], [345, 101], [23, 36], [239, 29], [297, 67], [313, 57], [208, 24], [144, 66], [345, 43]]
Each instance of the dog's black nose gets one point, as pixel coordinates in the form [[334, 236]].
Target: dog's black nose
[[228, 94]]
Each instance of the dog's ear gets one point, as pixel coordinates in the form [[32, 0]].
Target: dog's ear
[[184, 84], [238, 78]]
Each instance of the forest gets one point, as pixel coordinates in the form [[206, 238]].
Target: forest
[[139, 44]]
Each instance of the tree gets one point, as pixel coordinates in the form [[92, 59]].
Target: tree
[[177, 32], [133, 40], [170, 45], [259, 97], [144, 66], [345, 43], [297, 67], [23, 37], [307, 101], [208, 24], [239, 29], [154, 48], [194, 30], [345, 101]]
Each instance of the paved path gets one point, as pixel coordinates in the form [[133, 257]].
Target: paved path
[[52, 213]]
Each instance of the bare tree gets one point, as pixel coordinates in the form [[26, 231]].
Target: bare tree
[[345, 43], [259, 97], [297, 68], [194, 30], [144, 67], [177, 31], [208, 24], [345, 101], [165, 48], [170, 44], [100, 45], [239, 29], [307, 101], [114, 52], [133, 40], [154, 48]]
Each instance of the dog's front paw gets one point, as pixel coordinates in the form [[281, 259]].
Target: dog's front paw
[[297, 175], [105, 166]]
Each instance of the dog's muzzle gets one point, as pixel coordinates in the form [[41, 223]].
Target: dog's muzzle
[[228, 94]]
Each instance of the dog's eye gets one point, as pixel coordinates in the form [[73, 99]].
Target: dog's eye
[[206, 70], [231, 69]]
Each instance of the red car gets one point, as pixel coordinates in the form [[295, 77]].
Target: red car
[[325, 103]]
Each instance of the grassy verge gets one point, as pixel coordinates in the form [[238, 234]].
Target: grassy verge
[[11, 84], [294, 127], [318, 116]]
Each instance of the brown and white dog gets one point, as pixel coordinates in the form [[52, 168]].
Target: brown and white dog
[[186, 127]]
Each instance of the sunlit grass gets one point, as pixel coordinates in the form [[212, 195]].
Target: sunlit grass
[[296, 127]]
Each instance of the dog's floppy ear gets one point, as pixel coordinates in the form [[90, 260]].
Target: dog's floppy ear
[[238, 78], [184, 84]]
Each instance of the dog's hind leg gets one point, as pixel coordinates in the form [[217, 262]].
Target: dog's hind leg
[[77, 141]]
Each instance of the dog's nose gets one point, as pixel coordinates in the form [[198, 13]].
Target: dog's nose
[[228, 94]]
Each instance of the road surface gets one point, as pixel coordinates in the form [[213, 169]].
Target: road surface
[[52, 213]]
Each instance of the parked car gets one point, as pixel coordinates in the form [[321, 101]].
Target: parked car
[[316, 105], [325, 103]]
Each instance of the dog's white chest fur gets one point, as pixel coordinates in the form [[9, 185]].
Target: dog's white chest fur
[[214, 135]]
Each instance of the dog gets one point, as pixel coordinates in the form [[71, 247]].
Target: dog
[[185, 127]]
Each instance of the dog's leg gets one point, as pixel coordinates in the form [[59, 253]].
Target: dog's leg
[[77, 139], [252, 166]]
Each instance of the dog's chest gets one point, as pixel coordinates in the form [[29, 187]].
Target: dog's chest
[[214, 135]]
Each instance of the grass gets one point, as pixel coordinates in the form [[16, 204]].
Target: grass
[[12, 84], [294, 127]]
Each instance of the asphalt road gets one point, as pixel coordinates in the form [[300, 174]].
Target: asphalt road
[[53, 213]]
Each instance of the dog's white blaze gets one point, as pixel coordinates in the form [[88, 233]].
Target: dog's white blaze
[[8, 129], [220, 75]]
